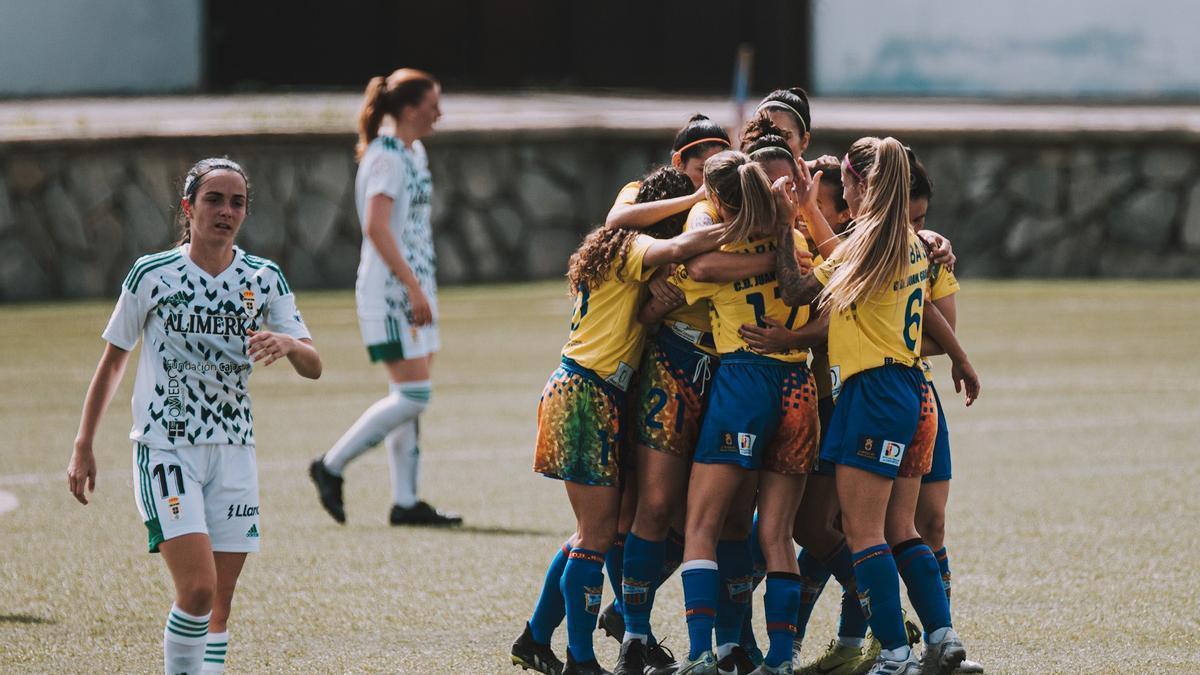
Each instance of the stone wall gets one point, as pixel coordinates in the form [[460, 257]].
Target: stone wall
[[512, 206]]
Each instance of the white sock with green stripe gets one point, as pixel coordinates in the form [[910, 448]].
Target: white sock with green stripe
[[214, 652], [402, 405], [183, 641], [403, 460]]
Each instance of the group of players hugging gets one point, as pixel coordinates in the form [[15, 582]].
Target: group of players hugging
[[747, 369]]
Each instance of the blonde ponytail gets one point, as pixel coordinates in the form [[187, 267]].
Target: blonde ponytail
[[876, 252]]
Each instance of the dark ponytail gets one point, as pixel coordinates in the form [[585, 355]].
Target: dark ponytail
[[388, 96]]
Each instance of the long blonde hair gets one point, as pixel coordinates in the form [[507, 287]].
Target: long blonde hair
[[741, 186], [876, 252]]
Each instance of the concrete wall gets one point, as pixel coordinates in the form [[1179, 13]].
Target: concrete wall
[[513, 205], [1063, 48], [58, 47]]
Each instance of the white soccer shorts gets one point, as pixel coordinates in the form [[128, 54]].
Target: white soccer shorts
[[209, 489]]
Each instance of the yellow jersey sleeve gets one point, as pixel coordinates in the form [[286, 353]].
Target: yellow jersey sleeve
[[633, 269], [702, 213], [606, 336], [885, 328], [942, 282], [628, 194]]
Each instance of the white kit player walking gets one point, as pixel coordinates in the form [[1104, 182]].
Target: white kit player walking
[[206, 312], [396, 291]]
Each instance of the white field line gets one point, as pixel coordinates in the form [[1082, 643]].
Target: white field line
[[8, 501]]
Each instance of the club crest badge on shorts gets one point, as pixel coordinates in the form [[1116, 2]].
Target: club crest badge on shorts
[[248, 300], [175, 507]]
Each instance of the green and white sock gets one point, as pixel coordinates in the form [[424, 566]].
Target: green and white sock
[[214, 652], [183, 641]]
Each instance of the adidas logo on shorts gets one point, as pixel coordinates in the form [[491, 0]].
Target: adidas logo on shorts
[[252, 532]]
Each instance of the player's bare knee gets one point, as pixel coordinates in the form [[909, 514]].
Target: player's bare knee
[[932, 528], [195, 596]]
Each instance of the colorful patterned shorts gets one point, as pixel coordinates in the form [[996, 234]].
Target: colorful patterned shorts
[[671, 394], [579, 428]]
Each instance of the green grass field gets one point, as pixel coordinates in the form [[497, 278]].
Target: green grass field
[[1071, 524]]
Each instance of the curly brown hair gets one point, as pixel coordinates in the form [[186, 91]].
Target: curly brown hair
[[591, 262], [758, 127]]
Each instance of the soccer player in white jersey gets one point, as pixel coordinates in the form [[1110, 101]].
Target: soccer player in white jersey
[[207, 312], [396, 290]]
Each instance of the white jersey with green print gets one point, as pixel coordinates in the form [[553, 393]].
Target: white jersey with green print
[[191, 386], [389, 168]]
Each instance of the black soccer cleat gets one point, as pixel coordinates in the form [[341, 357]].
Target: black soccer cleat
[[659, 660], [423, 514], [329, 489], [584, 667], [532, 655], [612, 622], [632, 660], [736, 661]]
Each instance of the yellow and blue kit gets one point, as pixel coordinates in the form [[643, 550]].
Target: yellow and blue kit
[[675, 369], [942, 283], [763, 408], [580, 414], [885, 409]]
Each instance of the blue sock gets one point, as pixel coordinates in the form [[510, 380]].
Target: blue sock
[[549, 610], [813, 577], [878, 586], [614, 563], [582, 589], [672, 555], [748, 641], [643, 569], [736, 567], [782, 601], [840, 564], [944, 563], [701, 586], [923, 578]]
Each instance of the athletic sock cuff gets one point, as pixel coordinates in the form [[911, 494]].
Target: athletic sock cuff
[[585, 554], [872, 552], [698, 565], [783, 576], [903, 546]]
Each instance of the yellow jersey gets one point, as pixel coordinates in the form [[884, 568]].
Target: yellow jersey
[[747, 301], [692, 321], [606, 336], [628, 194], [942, 283], [883, 329]]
